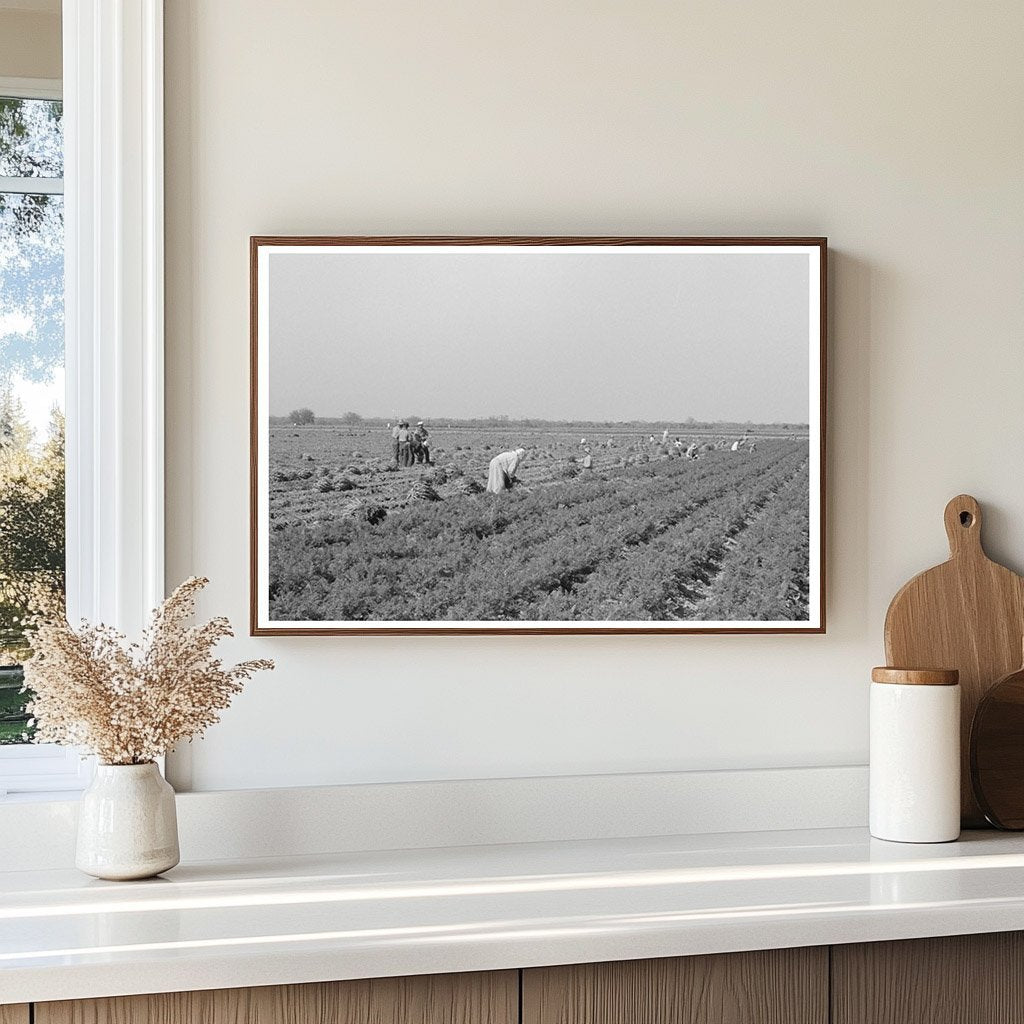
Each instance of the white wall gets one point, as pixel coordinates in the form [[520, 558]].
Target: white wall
[[895, 129]]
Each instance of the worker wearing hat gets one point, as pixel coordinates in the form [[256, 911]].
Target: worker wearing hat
[[420, 443]]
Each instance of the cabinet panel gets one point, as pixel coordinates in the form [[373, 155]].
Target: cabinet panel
[[962, 979], [14, 1014], [482, 998], [778, 986]]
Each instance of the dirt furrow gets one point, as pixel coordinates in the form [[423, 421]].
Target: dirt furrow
[[696, 594]]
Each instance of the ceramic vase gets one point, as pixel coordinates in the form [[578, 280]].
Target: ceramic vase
[[127, 825]]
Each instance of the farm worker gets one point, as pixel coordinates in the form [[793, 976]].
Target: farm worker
[[422, 449], [664, 436], [404, 444], [735, 446], [753, 445], [501, 474], [651, 439], [691, 452], [588, 459], [394, 442]]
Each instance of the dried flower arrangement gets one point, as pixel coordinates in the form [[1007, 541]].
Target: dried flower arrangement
[[130, 703]]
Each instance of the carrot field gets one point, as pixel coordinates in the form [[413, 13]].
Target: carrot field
[[645, 535]]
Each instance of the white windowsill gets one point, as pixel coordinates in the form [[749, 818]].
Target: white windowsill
[[42, 771], [48, 797]]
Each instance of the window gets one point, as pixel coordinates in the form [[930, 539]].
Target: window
[[112, 212], [32, 530], [31, 383]]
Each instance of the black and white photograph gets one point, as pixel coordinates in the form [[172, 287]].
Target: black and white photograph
[[537, 435]]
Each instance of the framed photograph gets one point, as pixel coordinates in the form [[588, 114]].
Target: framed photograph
[[537, 435]]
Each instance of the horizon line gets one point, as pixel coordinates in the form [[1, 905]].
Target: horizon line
[[499, 420]]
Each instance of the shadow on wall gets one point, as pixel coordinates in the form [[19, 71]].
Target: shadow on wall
[[852, 293]]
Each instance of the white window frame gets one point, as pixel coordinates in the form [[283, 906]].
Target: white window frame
[[37, 767], [114, 322], [31, 89]]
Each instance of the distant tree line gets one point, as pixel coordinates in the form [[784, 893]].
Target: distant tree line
[[305, 417]]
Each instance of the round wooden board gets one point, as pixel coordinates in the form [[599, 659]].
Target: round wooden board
[[997, 752]]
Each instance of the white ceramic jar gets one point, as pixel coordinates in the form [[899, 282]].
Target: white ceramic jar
[[915, 755], [127, 823]]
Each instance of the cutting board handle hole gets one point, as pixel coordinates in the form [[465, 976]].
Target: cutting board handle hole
[[962, 518]]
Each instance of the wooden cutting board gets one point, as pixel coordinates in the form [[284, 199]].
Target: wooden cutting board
[[967, 614]]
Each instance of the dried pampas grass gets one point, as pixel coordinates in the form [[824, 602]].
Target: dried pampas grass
[[130, 703]]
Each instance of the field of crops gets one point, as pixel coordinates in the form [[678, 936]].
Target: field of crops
[[645, 535]]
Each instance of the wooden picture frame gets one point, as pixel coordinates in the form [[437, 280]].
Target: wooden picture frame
[[512, 334]]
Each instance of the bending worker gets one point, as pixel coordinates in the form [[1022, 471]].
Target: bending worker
[[501, 474]]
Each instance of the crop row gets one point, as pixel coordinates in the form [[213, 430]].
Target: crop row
[[521, 555], [426, 566], [424, 549], [766, 575], [660, 580]]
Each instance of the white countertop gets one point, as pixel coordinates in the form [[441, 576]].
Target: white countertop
[[226, 924]]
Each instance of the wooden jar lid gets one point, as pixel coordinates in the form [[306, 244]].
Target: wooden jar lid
[[916, 676]]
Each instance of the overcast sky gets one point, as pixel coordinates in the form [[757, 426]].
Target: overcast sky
[[549, 334]]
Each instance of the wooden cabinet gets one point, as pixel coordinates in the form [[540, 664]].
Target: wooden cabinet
[[968, 979], [962, 979], [491, 998], [777, 986]]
